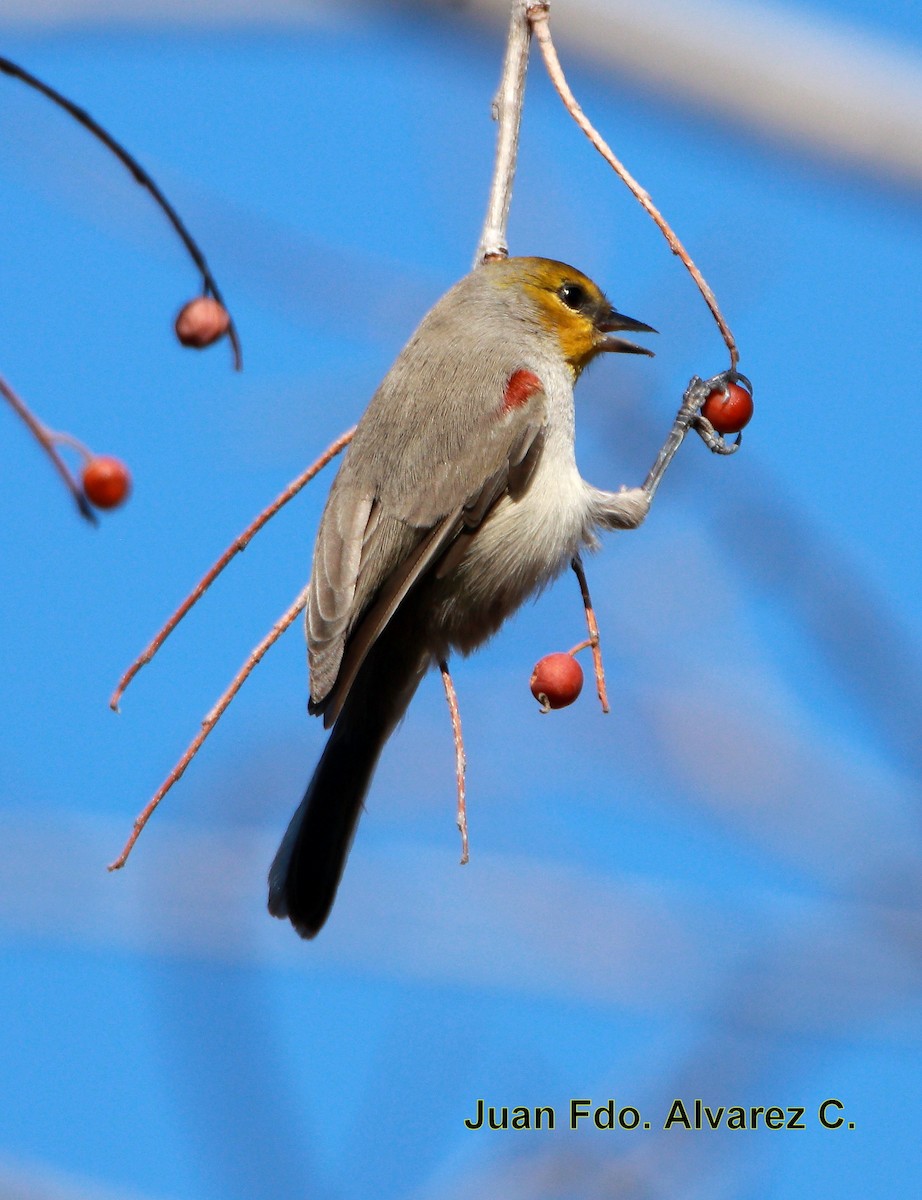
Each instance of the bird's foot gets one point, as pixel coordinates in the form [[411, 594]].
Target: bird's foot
[[696, 394]]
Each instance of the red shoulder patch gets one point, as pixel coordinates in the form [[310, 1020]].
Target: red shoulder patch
[[520, 387]]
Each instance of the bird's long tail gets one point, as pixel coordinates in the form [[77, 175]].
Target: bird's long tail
[[306, 871]]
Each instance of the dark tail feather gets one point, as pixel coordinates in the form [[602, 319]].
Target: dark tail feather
[[306, 871], [309, 864]]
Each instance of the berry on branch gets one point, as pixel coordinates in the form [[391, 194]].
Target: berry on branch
[[106, 481], [728, 409], [202, 322], [556, 681]]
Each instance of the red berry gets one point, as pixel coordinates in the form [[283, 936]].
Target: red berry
[[556, 680], [728, 411], [106, 481], [201, 322]]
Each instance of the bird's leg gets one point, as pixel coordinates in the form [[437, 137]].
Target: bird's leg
[[695, 395], [689, 417], [625, 509], [702, 426], [628, 508], [460, 758]]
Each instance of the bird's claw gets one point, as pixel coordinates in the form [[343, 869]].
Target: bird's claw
[[695, 395], [712, 439], [699, 389]]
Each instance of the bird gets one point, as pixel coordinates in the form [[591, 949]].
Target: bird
[[458, 498]]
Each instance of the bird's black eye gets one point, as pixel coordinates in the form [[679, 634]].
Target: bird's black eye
[[573, 295]]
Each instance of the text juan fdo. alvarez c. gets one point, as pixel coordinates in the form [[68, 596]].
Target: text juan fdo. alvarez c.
[[683, 1114]]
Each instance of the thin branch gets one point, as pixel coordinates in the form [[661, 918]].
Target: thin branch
[[234, 548], [538, 15], [82, 117], [253, 659], [68, 439], [507, 112], [460, 757], [46, 438], [593, 627]]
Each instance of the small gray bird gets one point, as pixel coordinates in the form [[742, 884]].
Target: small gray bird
[[458, 498]]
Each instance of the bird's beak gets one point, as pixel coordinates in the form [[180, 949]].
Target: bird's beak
[[615, 322]]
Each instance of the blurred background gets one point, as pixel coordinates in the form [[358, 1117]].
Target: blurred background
[[713, 892]]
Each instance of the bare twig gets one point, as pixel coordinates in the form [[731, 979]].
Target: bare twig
[[209, 723], [82, 117], [234, 548], [538, 15], [460, 758], [507, 112], [68, 439], [46, 438], [593, 627]]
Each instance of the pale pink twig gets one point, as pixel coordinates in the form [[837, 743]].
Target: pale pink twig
[[209, 723], [593, 627], [538, 15], [460, 758], [235, 547]]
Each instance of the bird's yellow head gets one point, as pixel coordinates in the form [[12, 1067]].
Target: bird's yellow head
[[571, 308]]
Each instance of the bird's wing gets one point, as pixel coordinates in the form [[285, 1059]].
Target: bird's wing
[[376, 541]]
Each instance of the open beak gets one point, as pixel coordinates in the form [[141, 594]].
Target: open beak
[[616, 322]]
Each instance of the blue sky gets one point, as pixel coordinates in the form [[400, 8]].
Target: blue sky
[[710, 892]]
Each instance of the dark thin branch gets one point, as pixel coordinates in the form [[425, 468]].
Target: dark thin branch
[[82, 117]]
